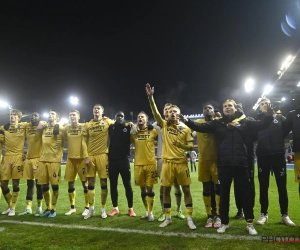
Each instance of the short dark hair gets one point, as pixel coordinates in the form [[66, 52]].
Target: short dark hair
[[56, 112], [98, 104]]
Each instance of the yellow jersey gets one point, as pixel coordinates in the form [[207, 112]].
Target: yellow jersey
[[207, 146], [53, 145], [144, 146], [34, 142], [96, 136], [77, 148], [14, 138], [172, 132]]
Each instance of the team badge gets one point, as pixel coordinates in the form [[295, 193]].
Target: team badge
[[102, 123], [80, 128], [275, 121], [125, 130], [18, 127], [260, 170], [180, 128], [298, 177], [298, 115], [148, 132]]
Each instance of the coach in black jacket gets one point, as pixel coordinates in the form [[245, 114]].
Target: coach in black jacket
[[271, 155], [293, 123], [232, 157], [118, 158]]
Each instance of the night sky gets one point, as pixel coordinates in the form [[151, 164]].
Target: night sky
[[192, 52]]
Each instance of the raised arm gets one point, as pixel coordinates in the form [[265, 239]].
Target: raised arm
[[156, 114], [264, 122]]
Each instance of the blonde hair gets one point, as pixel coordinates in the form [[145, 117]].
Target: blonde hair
[[231, 100], [174, 106], [18, 112]]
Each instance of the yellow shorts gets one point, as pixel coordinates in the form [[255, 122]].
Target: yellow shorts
[[30, 168], [99, 165], [145, 175], [11, 167], [207, 171], [171, 170], [74, 167], [48, 172], [159, 166], [297, 166]]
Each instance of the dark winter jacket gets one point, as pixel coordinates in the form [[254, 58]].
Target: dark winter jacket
[[270, 141], [293, 123], [231, 143]]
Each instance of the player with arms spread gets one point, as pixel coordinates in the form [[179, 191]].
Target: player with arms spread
[[77, 153], [145, 174], [177, 139], [49, 165], [96, 136], [34, 148], [12, 162]]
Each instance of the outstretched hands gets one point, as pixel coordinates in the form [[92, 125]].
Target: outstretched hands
[[182, 118], [270, 109], [149, 90]]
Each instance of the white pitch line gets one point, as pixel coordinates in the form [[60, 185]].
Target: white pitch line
[[147, 232], [2, 229]]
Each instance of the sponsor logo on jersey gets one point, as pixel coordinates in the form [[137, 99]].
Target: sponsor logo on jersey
[[124, 130], [275, 121]]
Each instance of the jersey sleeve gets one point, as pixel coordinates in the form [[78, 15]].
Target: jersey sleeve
[[155, 112]]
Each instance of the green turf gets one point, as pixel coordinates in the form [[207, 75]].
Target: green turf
[[72, 232]]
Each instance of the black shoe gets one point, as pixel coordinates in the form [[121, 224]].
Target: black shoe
[[239, 215]]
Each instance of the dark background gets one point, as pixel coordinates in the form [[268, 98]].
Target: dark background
[[106, 51]]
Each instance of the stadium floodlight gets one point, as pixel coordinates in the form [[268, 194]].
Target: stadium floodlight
[[267, 90], [74, 100], [298, 84], [286, 63], [45, 115], [249, 84], [283, 99], [3, 104], [64, 120]]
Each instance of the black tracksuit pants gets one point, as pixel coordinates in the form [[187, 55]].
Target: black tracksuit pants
[[278, 165], [238, 194], [240, 176], [120, 166]]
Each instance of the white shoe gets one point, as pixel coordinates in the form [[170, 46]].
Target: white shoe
[[287, 221], [222, 228], [191, 224], [26, 211], [103, 213], [167, 222], [89, 215], [6, 211], [251, 230], [150, 217], [38, 212], [71, 211], [209, 223], [218, 222], [12, 212], [262, 219], [145, 216], [85, 212]]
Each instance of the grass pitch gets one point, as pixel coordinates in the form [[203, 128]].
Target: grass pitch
[[124, 232]]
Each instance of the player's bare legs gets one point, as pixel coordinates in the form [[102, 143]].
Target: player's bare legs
[[147, 194], [104, 191], [178, 196]]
